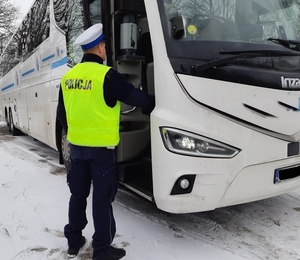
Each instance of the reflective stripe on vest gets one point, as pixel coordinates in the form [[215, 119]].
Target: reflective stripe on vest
[[90, 121]]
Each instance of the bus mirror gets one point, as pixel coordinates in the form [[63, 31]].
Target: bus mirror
[[177, 27]]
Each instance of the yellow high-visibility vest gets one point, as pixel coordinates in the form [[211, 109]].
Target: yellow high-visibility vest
[[90, 121]]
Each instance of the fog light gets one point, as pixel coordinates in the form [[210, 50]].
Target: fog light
[[184, 184]]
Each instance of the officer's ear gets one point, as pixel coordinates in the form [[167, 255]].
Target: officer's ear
[[102, 44], [102, 50]]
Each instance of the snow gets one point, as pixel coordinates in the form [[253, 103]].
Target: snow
[[34, 202]]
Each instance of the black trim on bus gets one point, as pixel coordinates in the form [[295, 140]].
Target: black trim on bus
[[86, 10], [107, 28], [293, 149], [287, 173], [266, 72], [259, 111]]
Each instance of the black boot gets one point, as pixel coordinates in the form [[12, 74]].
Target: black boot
[[73, 251], [112, 254]]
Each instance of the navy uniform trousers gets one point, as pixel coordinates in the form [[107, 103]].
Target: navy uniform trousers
[[97, 166]]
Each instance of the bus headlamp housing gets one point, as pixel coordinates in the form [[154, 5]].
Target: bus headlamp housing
[[186, 143]]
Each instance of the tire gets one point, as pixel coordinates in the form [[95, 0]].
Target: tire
[[7, 121], [11, 127], [65, 149]]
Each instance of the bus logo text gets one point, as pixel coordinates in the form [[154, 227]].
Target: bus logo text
[[290, 82]]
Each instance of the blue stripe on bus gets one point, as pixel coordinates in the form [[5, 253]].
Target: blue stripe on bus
[[27, 72], [9, 86], [48, 58], [59, 63]]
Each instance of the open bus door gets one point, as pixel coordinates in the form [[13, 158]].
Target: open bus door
[[129, 51]]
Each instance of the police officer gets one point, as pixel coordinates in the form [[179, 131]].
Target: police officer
[[89, 108]]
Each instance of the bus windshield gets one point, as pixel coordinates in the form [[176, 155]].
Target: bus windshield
[[229, 25]]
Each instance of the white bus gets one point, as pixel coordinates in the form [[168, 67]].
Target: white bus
[[225, 74]]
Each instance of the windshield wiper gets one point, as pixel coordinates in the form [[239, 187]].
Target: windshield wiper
[[261, 52], [239, 54], [286, 43]]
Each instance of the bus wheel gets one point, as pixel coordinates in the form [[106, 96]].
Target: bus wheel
[[14, 131], [7, 120], [65, 149]]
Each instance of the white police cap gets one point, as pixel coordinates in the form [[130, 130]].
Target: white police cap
[[90, 37]]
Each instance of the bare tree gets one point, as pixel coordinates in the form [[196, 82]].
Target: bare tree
[[8, 16]]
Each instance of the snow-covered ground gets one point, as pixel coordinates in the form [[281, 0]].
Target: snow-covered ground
[[33, 211]]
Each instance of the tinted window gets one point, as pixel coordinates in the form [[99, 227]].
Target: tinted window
[[72, 17], [69, 17], [34, 29]]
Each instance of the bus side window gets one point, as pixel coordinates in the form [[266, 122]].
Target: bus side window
[[95, 11], [68, 17]]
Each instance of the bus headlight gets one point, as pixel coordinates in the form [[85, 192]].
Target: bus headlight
[[186, 143]]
